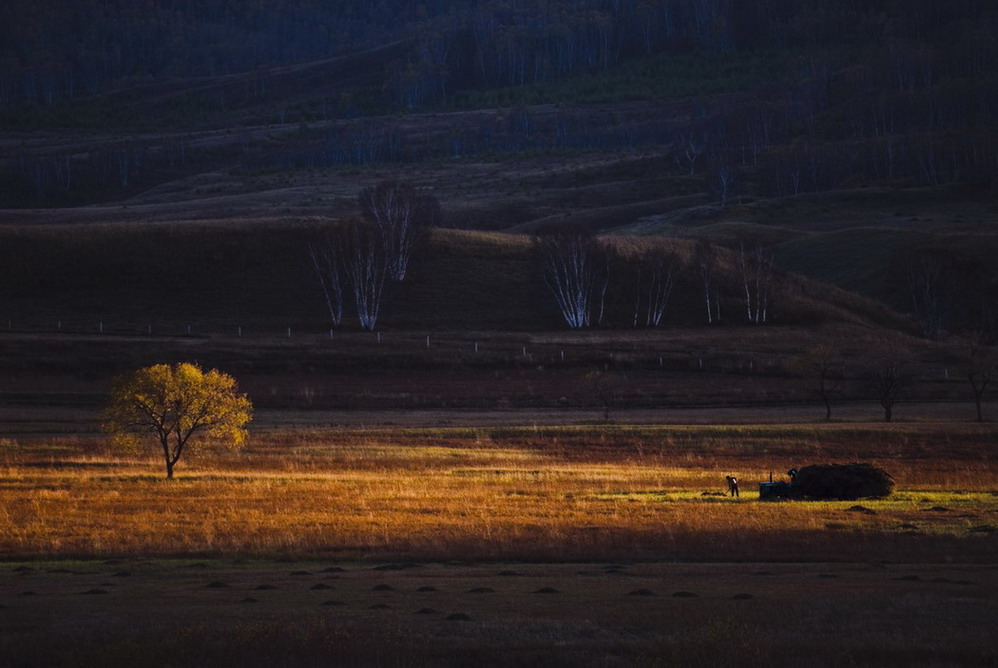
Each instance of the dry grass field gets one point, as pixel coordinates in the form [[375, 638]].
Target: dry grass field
[[603, 545], [504, 493]]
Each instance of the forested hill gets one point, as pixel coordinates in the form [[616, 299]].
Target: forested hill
[[103, 100], [66, 49]]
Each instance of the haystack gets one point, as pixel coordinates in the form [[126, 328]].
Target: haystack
[[843, 481]]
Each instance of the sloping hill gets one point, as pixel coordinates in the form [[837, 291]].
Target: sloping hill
[[860, 240], [221, 275]]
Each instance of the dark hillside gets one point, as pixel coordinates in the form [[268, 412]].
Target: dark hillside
[[866, 241], [473, 327], [841, 134], [220, 276], [779, 98]]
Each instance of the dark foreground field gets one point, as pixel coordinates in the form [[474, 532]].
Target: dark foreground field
[[321, 613]]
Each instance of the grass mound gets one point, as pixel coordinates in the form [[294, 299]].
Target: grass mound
[[843, 481]]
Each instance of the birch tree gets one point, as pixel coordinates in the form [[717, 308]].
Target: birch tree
[[576, 268], [365, 260], [756, 266], [706, 262], [691, 146], [403, 216], [325, 250], [656, 268]]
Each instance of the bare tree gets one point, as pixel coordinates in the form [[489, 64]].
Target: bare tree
[[576, 268], [691, 147], [756, 265], [325, 250], [822, 367], [981, 368], [606, 386], [889, 379], [403, 217]]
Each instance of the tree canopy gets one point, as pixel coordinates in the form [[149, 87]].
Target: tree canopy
[[181, 406]]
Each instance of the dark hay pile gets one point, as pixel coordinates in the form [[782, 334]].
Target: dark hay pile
[[843, 481]]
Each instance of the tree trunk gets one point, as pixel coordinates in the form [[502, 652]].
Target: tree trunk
[[165, 444], [887, 413], [828, 409]]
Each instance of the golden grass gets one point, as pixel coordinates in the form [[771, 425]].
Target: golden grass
[[552, 493]]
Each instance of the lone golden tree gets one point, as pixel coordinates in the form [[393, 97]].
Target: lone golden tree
[[181, 405]]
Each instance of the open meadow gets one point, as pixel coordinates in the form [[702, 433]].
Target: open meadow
[[509, 289], [591, 545]]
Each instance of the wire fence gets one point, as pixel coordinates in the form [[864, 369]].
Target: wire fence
[[597, 349]]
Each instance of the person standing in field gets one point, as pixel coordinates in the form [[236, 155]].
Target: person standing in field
[[732, 484]]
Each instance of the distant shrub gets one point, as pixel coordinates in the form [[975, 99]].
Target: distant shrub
[[843, 481]]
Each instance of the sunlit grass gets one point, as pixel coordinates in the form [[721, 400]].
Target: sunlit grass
[[586, 493]]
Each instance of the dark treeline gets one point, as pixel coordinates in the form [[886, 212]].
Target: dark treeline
[[63, 49]]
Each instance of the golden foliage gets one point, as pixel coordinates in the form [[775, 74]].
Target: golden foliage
[[181, 405]]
